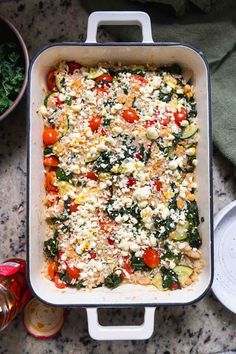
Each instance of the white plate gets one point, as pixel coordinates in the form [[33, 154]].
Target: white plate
[[224, 285]]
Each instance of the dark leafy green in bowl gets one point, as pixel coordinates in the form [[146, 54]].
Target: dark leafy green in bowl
[[14, 62], [11, 74]]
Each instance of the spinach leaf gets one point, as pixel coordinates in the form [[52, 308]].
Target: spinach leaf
[[172, 69], [47, 151], [106, 161], [11, 74], [168, 225], [113, 280], [194, 240], [63, 176], [106, 122], [137, 263], [169, 255], [146, 154], [51, 246], [165, 97], [169, 278]]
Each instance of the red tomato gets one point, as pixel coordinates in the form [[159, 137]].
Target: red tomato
[[149, 123], [151, 257], [50, 177], [127, 265], [72, 66], [51, 83], [93, 254], [52, 269], [99, 89], [73, 272], [91, 175], [175, 286], [138, 156], [180, 116], [163, 120], [104, 79], [158, 185], [130, 115], [51, 161], [95, 123], [60, 253], [50, 136], [73, 207], [58, 101], [110, 241], [138, 78], [103, 132], [131, 182], [60, 284]]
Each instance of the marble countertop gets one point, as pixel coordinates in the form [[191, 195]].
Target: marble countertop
[[205, 327]]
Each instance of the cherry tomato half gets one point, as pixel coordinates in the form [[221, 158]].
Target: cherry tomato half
[[73, 272], [175, 286], [50, 136], [127, 265], [51, 161], [130, 115], [51, 83], [72, 66], [52, 269], [149, 123], [151, 257], [73, 207], [60, 284], [158, 185], [91, 175], [131, 181], [95, 123], [104, 79], [93, 254], [138, 78], [180, 116], [110, 240], [50, 177]]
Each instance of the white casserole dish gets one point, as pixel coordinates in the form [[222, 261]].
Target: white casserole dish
[[90, 53]]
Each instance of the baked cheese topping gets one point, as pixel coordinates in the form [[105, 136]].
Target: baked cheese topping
[[119, 154]]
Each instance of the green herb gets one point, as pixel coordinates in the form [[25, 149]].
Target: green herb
[[57, 220], [165, 97], [69, 101], [168, 225], [51, 246], [193, 112], [65, 278], [137, 263], [63, 82], [169, 278], [106, 161], [195, 240], [169, 255], [110, 209], [63, 176], [79, 285], [11, 74], [47, 151], [106, 122], [146, 154], [172, 69], [112, 281]]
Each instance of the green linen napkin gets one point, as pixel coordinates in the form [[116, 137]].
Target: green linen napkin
[[213, 32]]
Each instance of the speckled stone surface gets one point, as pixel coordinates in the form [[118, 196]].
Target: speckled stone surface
[[206, 327]]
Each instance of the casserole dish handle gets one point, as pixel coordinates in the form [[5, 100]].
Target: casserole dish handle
[[139, 18], [99, 332]]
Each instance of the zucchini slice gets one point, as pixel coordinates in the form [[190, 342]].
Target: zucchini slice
[[66, 188], [180, 233], [46, 99], [183, 272], [189, 131], [62, 125], [157, 282], [94, 73]]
